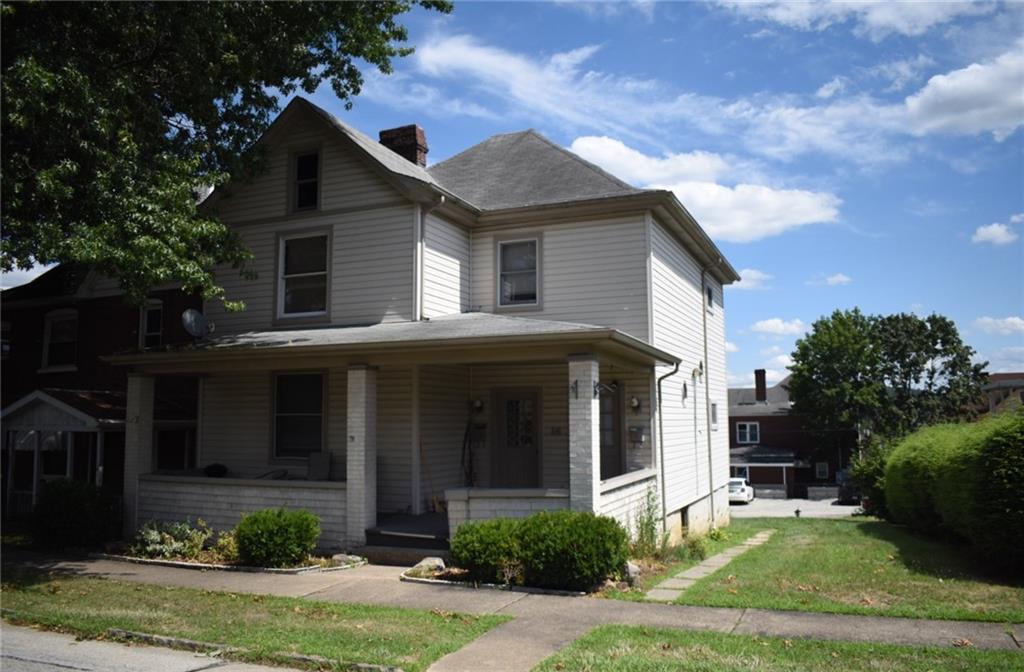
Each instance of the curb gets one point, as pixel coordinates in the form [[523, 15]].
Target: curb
[[202, 566], [490, 586], [219, 649]]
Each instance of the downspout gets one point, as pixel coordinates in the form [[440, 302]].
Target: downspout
[[418, 254], [707, 396], [661, 449]]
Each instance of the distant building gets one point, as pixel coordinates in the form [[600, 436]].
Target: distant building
[[1003, 390], [775, 449]]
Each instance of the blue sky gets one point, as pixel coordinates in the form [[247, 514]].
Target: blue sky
[[840, 154]]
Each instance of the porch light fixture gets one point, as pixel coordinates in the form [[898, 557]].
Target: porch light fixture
[[634, 404], [478, 405]]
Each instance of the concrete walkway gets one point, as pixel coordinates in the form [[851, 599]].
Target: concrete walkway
[[670, 589], [786, 508], [542, 623]]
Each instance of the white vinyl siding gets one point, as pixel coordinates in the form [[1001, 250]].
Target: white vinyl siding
[[678, 306], [591, 272], [370, 279], [394, 440], [444, 412], [445, 268], [237, 417]]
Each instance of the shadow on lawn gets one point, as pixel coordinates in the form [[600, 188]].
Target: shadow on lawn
[[23, 568], [941, 557]]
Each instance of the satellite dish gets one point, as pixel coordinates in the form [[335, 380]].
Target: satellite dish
[[195, 323]]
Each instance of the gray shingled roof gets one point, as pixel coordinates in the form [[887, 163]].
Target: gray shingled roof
[[521, 169], [439, 330], [742, 400]]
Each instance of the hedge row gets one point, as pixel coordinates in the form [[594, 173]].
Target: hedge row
[[567, 550], [966, 479]]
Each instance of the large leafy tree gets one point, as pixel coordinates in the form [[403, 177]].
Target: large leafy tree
[[117, 114], [886, 374]]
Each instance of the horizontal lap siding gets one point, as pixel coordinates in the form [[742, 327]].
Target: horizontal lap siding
[[236, 423], [445, 268], [222, 506], [677, 319], [394, 440], [626, 503], [592, 273], [372, 272], [444, 411]]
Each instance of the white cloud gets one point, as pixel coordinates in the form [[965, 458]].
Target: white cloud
[[1017, 219], [781, 361], [739, 214], [1002, 326], [983, 97], [902, 73], [773, 350], [778, 327], [996, 234], [751, 278], [1006, 360], [731, 347], [610, 9], [875, 20], [838, 279], [831, 87]]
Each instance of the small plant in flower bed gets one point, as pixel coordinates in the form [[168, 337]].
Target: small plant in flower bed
[[277, 537], [178, 540]]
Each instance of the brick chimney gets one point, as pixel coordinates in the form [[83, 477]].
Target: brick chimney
[[760, 389], [408, 141]]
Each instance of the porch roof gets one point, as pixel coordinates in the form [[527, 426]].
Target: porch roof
[[448, 331]]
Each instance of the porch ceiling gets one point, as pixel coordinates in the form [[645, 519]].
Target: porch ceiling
[[464, 338]]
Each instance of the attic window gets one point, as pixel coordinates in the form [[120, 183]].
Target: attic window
[[306, 189], [518, 273], [151, 324]]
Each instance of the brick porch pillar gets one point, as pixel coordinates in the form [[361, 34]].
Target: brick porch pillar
[[584, 434], [361, 455], [138, 445]]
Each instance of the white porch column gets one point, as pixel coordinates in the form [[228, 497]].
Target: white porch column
[[361, 455], [584, 434], [138, 444]]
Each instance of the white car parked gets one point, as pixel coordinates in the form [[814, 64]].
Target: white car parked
[[740, 490]]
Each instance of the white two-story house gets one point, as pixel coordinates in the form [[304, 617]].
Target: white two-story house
[[510, 330]]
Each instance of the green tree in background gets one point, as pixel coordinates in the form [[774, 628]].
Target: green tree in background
[[116, 115]]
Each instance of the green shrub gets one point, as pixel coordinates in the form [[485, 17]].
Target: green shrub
[[649, 542], [178, 540], [72, 514], [226, 547], [868, 471], [488, 549], [572, 550], [964, 479], [695, 546], [277, 537]]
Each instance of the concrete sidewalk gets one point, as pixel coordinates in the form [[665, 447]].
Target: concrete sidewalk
[[786, 508], [543, 623]]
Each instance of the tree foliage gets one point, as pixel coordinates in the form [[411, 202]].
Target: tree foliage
[[887, 374], [116, 115]]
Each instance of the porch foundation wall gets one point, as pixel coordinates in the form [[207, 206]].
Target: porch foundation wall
[[222, 502], [623, 498], [466, 505]]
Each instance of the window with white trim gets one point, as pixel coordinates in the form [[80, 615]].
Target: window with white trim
[[298, 415], [151, 324], [302, 275], [60, 339], [748, 432], [306, 181], [821, 470], [518, 272], [714, 417]]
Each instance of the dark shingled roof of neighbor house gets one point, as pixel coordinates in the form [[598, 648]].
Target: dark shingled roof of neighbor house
[[523, 169]]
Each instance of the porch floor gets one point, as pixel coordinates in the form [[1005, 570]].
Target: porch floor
[[427, 530]]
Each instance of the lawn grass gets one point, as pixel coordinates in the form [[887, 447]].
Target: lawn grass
[[263, 625], [859, 566], [736, 533], [639, 649]]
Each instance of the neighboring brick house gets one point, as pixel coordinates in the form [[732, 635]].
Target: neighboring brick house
[[63, 406], [1003, 390], [775, 449], [510, 330]]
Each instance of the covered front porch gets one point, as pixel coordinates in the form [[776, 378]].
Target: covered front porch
[[369, 438]]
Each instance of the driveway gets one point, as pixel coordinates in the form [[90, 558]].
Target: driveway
[[785, 508]]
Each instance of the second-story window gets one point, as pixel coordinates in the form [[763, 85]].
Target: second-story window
[[5, 339], [306, 184], [748, 432], [303, 274], [60, 339], [151, 324], [518, 272]]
